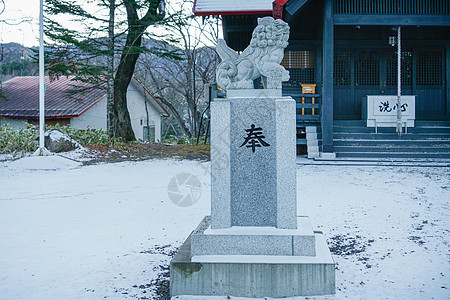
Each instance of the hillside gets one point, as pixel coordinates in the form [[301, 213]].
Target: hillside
[[12, 65], [13, 51]]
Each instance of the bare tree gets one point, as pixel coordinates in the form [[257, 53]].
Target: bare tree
[[88, 42], [110, 70], [179, 82]]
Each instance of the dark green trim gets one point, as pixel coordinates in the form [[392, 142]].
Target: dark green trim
[[447, 83], [293, 6], [327, 87], [404, 20]]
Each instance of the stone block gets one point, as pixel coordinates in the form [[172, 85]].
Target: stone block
[[304, 245], [312, 142], [235, 275], [311, 135], [313, 154], [328, 155], [253, 185], [253, 240], [253, 169], [242, 245], [220, 164], [313, 149], [286, 163]]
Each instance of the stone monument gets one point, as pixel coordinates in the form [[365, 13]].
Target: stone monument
[[254, 244]]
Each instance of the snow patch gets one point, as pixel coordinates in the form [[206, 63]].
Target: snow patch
[[81, 154], [42, 163], [95, 232]]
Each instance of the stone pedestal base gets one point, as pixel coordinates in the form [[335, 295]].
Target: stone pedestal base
[[252, 275], [254, 245], [254, 240]]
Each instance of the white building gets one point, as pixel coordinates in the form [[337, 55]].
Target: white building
[[79, 110]]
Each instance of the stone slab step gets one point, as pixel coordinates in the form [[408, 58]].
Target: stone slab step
[[392, 136], [301, 141], [425, 129], [391, 148], [399, 143], [374, 161], [393, 154]]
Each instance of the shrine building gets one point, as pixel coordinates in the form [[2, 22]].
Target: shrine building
[[341, 52]]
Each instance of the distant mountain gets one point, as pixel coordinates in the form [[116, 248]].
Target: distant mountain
[[13, 51], [12, 65]]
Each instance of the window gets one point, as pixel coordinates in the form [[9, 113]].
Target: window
[[367, 69], [300, 65], [429, 68], [341, 68], [406, 68]]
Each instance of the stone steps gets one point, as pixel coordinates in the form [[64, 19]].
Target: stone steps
[[352, 139], [393, 143], [429, 139], [389, 148], [390, 154]]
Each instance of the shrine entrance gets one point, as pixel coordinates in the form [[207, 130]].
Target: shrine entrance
[[362, 72]]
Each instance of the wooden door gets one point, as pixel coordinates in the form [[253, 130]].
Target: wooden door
[[356, 74], [362, 72], [343, 89], [429, 84], [389, 72], [368, 77]]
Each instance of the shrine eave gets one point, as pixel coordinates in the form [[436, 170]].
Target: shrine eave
[[232, 7], [231, 12]]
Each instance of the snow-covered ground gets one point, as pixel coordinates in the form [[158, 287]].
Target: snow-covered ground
[[107, 231]]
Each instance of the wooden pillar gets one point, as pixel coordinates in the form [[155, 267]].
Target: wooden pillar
[[327, 82], [447, 81]]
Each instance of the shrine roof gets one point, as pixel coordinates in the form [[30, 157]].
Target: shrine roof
[[232, 7]]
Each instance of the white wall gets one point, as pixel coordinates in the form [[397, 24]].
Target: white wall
[[138, 113], [94, 118], [158, 128], [14, 123]]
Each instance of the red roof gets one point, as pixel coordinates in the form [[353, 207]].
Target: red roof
[[23, 98]]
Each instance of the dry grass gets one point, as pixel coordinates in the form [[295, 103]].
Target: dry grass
[[140, 151]]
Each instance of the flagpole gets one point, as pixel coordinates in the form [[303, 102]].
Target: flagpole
[[41, 151]]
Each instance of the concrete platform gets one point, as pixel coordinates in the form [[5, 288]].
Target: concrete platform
[[254, 240], [253, 275]]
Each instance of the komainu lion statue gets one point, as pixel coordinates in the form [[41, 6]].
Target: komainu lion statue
[[261, 58]]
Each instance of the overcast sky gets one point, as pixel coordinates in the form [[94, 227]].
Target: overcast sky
[[26, 32]]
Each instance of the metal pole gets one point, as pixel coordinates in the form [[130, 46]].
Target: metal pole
[[41, 151], [399, 82], [41, 76]]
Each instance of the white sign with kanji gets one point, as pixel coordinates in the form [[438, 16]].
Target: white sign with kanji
[[381, 110]]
